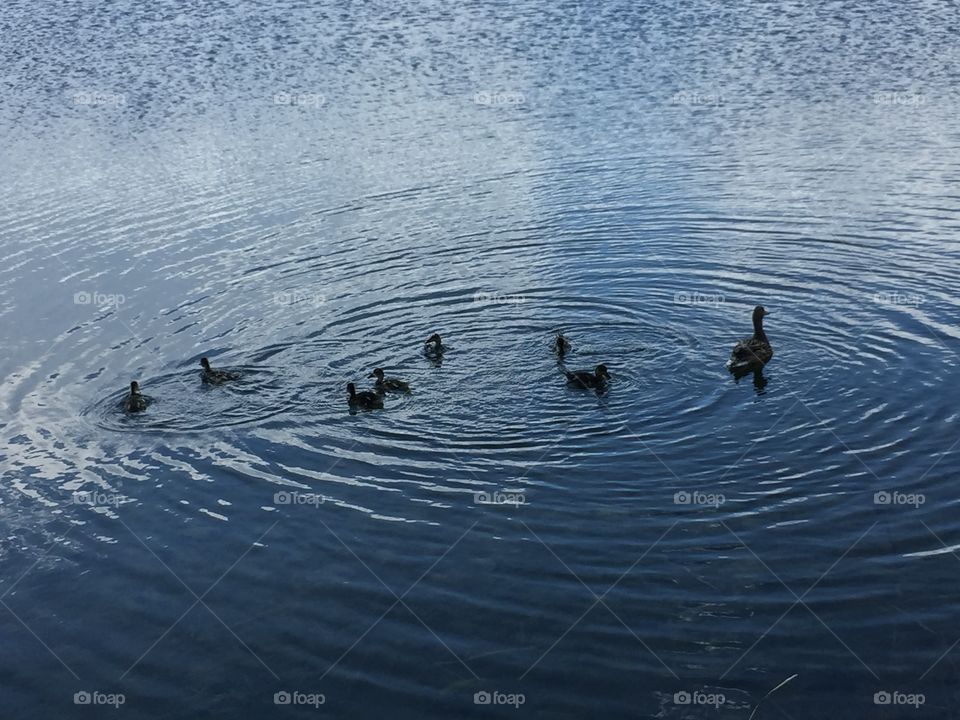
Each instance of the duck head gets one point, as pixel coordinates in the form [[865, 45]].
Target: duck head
[[204, 363], [759, 313], [435, 339], [377, 373], [134, 388], [602, 373]]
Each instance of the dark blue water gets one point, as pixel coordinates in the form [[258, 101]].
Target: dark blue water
[[307, 192]]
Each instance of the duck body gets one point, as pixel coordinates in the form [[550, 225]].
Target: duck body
[[434, 346], [134, 402], [754, 352], [213, 376], [389, 384], [588, 380], [365, 399], [560, 345]]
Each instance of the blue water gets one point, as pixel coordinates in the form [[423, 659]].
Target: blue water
[[305, 192]]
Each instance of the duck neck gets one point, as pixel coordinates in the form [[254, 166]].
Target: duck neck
[[758, 333]]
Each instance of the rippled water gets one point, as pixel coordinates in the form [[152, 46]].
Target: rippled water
[[305, 193]]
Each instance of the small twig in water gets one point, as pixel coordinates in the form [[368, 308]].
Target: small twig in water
[[771, 693]]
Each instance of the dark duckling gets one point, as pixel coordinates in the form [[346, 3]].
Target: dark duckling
[[434, 347], [561, 345], [753, 352], [365, 399], [215, 377], [587, 379], [134, 402], [388, 384]]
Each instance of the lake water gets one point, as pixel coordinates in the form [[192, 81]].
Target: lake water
[[305, 192]]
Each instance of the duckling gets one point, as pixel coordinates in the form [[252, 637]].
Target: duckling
[[365, 399], [134, 402], [753, 352], [388, 384], [560, 345], [587, 379], [434, 347], [215, 377]]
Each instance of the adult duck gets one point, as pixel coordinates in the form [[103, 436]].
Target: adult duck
[[753, 352]]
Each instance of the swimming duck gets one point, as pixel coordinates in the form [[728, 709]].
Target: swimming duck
[[365, 399], [134, 402], [752, 352], [215, 377], [434, 347], [587, 379], [560, 345], [389, 384]]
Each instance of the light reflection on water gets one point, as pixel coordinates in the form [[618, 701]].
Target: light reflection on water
[[308, 193]]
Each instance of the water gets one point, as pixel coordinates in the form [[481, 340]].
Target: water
[[306, 193]]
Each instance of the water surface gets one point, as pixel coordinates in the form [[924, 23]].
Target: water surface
[[304, 193]]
